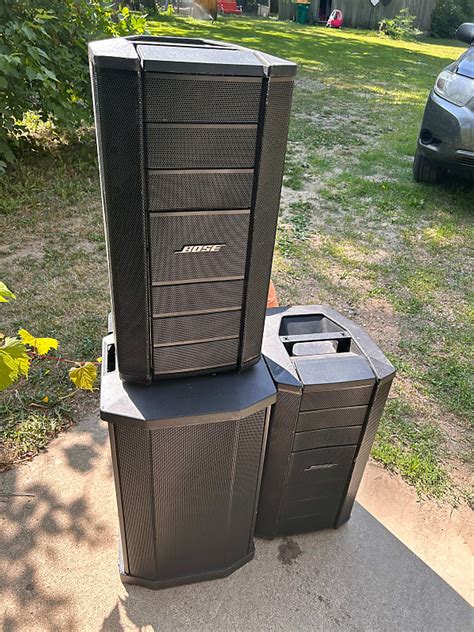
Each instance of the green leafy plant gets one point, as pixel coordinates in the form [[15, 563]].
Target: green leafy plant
[[401, 27], [449, 14], [16, 354], [43, 62]]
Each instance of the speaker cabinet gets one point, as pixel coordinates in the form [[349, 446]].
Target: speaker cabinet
[[332, 384], [187, 456], [191, 139]]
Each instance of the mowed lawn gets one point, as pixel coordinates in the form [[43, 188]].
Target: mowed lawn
[[355, 232]]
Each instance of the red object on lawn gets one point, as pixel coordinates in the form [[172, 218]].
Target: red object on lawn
[[335, 19], [229, 7]]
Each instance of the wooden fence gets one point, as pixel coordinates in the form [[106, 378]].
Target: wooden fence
[[362, 14]]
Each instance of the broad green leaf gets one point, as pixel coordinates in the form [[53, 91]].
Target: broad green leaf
[[5, 293], [8, 370], [3, 83], [31, 73], [17, 350], [42, 345], [84, 376]]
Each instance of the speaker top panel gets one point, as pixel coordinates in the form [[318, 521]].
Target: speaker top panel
[[186, 55], [182, 401], [315, 348]]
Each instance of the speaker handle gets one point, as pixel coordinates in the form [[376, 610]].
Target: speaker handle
[[342, 338]]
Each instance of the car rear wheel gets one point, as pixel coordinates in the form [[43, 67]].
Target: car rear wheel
[[425, 170]]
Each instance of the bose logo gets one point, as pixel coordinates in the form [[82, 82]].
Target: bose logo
[[323, 466], [200, 248]]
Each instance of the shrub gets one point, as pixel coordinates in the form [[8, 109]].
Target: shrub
[[43, 61], [449, 14], [400, 27]]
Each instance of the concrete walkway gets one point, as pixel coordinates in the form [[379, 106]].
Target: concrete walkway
[[397, 565]]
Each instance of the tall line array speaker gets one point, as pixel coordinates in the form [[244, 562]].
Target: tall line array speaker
[[332, 383], [187, 457], [191, 140]]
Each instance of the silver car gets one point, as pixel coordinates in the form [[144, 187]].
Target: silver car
[[446, 140]]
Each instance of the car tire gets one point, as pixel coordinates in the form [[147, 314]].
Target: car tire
[[425, 170]]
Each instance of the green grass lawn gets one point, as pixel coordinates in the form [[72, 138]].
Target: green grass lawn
[[355, 232]]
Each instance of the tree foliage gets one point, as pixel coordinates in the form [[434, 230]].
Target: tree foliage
[[43, 60], [401, 27], [449, 14]]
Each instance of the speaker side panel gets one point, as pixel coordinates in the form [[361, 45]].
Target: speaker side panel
[[368, 436], [118, 115], [283, 421], [135, 492], [264, 220]]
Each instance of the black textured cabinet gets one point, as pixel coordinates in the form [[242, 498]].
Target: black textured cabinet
[[191, 139], [187, 457], [332, 384]]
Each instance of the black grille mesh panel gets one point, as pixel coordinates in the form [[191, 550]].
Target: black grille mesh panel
[[169, 233], [188, 495], [367, 440], [195, 357], [205, 148], [326, 437], [275, 133], [331, 417], [196, 327], [201, 100], [134, 466], [357, 396], [199, 191], [118, 121], [195, 297], [277, 458]]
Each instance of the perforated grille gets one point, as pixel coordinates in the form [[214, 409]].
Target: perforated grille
[[135, 480], [195, 297], [365, 446], [199, 190], [336, 398], [170, 233], [198, 147], [351, 416], [118, 121], [275, 132], [326, 437], [196, 327], [195, 357], [188, 495], [277, 457], [201, 100]]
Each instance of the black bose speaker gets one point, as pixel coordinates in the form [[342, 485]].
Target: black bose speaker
[[191, 139], [187, 456], [332, 383]]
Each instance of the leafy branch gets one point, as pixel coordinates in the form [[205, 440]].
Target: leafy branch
[[17, 352]]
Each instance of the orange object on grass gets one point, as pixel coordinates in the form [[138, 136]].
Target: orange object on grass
[[272, 300]]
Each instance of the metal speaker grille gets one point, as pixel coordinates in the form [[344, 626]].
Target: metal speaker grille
[[195, 327], [170, 233], [267, 200], [368, 436], [280, 438], [195, 297], [331, 417], [118, 106], [199, 190], [172, 99], [356, 396], [135, 476], [326, 437], [188, 495], [200, 147], [195, 357]]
